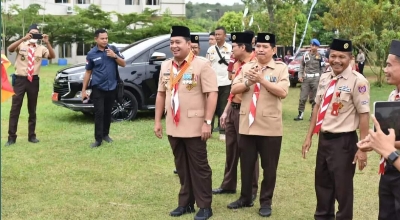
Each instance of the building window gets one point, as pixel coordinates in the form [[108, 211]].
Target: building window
[[82, 2], [132, 2], [61, 1], [82, 49], [64, 51], [152, 2]]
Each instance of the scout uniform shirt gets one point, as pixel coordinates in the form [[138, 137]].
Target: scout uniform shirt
[[198, 79], [310, 65], [236, 67], [350, 98], [220, 69], [268, 118], [21, 61], [394, 95]]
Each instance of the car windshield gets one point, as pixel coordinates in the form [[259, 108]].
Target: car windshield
[[140, 45]]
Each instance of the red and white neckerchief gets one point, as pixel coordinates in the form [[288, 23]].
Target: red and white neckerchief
[[174, 91], [31, 61], [325, 104], [254, 99], [382, 162]]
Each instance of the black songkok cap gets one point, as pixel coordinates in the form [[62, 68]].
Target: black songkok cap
[[194, 38], [266, 38], [242, 37], [180, 31], [395, 48], [341, 45], [33, 26]]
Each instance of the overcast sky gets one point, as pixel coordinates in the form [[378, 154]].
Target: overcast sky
[[223, 2]]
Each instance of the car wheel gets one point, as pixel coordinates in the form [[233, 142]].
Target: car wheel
[[126, 110]]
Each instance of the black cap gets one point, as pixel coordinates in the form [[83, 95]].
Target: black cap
[[242, 37], [194, 38], [266, 38], [395, 48], [180, 31], [33, 26], [341, 45]]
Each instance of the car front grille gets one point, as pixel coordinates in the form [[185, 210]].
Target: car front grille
[[61, 84]]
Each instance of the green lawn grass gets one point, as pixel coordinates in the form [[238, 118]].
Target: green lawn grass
[[63, 178]]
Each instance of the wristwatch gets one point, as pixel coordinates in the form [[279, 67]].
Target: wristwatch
[[208, 122], [393, 156]]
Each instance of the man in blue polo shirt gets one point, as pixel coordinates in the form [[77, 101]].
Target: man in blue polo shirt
[[101, 65]]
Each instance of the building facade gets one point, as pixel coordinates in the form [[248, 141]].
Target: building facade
[[76, 52]]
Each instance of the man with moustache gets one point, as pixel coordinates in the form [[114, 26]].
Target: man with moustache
[[263, 84], [188, 91], [309, 73], [27, 68], [389, 190], [242, 50], [342, 106], [219, 55], [102, 63]]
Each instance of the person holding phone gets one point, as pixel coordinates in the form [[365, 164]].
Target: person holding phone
[[385, 145], [26, 79], [102, 62]]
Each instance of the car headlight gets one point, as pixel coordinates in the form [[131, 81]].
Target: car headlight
[[76, 76], [79, 94]]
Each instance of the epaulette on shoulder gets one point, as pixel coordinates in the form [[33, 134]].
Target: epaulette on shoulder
[[166, 61], [279, 62]]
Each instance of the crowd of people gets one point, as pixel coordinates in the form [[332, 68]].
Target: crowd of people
[[244, 86]]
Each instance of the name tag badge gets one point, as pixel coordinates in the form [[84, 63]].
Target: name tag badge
[[166, 74], [344, 89], [95, 59]]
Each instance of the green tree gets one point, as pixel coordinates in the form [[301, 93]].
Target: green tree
[[232, 21]]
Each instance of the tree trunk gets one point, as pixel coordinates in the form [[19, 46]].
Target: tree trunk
[[270, 7]]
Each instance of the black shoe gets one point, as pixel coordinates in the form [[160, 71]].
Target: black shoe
[[182, 210], [265, 211], [176, 172], [33, 140], [107, 139], [203, 214], [223, 191], [299, 117], [239, 204], [95, 144], [9, 143]]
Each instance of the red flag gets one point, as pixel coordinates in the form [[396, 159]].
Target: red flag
[[6, 88]]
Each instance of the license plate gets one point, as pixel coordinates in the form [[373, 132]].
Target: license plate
[[54, 97]]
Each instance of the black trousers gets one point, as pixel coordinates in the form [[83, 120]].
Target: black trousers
[[223, 95], [103, 102], [23, 85], [334, 174], [389, 194], [361, 68], [269, 149], [193, 170]]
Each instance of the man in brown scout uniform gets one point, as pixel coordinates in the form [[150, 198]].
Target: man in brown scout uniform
[[342, 106], [188, 91], [262, 83], [389, 184], [27, 67], [243, 51]]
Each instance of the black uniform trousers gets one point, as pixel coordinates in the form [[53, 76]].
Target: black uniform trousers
[[269, 149], [334, 174], [21, 86], [103, 102], [232, 138], [389, 194], [193, 170], [361, 67], [223, 95]]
